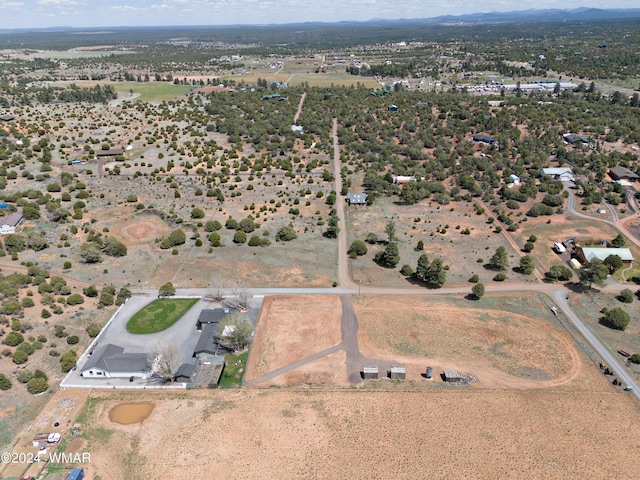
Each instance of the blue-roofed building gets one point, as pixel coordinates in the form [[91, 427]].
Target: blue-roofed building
[[76, 474]]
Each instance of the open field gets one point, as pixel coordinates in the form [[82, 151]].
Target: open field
[[159, 315], [493, 434], [486, 338]]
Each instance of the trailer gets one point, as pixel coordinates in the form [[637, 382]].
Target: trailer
[[40, 439], [559, 247]]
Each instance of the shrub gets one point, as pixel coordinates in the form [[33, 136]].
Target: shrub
[[475, 278], [13, 339], [5, 383], [358, 247], [26, 347], [72, 339], [635, 358], [45, 313], [93, 330], [626, 296], [24, 375], [286, 234], [406, 270], [75, 299], [68, 361], [37, 385], [500, 277], [478, 290], [19, 357], [239, 237]]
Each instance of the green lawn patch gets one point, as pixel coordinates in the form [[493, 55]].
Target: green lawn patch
[[159, 315], [233, 370]]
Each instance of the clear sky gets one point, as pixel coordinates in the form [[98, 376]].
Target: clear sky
[[100, 13]]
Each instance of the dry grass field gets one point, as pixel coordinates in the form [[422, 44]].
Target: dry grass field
[[585, 432], [422, 222]]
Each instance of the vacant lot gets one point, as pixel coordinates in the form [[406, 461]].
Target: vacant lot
[[502, 348], [291, 328], [288, 434], [439, 227]]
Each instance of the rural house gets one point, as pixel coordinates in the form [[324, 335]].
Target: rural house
[[587, 254], [483, 139], [558, 173], [574, 138], [622, 173], [109, 153], [9, 223], [110, 361], [356, 199], [210, 316], [7, 118]]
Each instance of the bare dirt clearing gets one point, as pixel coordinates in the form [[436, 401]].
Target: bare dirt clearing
[[295, 433], [502, 348], [291, 328]]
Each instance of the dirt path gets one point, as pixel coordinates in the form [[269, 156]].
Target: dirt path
[[344, 276], [299, 111]]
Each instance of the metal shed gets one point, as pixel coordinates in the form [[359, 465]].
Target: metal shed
[[398, 372], [429, 373], [451, 375], [370, 372]]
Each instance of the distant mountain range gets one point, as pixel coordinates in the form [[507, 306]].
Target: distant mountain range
[[532, 15]]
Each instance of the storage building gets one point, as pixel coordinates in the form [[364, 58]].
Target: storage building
[[398, 372], [451, 375], [370, 372]]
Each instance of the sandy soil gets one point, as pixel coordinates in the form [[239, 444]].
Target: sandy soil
[[503, 349], [372, 434], [291, 328], [328, 370]]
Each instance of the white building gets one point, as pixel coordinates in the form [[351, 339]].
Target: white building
[[9, 223], [558, 173], [110, 361]]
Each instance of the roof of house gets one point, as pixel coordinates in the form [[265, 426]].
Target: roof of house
[[7, 118], [110, 153], [357, 197], [557, 172], [12, 220], [574, 138], [112, 358], [186, 370], [483, 138], [208, 342], [623, 172], [212, 315], [601, 253]]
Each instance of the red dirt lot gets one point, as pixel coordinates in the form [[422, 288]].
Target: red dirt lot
[[371, 434]]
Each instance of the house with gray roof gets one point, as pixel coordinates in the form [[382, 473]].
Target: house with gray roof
[[10, 223], [210, 316], [623, 173], [111, 361]]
